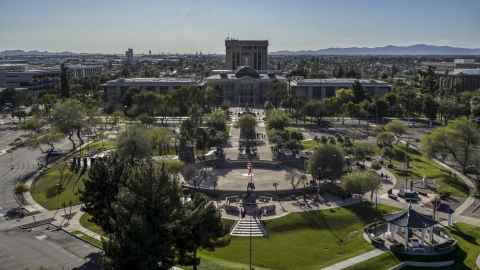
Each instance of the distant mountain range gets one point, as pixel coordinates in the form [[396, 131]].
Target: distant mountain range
[[419, 49], [45, 53]]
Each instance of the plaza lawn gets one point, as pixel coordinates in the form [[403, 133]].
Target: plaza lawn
[[108, 144], [90, 225], [464, 256], [308, 144], [307, 239], [423, 166], [44, 191]]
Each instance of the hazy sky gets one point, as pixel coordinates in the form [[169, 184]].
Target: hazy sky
[[110, 26]]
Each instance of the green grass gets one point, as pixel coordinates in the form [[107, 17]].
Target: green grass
[[90, 225], [464, 256], [423, 166], [44, 191], [308, 239], [309, 144], [88, 238], [165, 152], [98, 145], [373, 146]]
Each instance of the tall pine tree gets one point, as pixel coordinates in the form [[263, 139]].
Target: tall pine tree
[[203, 229], [65, 86], [100, 190], [147, 210]]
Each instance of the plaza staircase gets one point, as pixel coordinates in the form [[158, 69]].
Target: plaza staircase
[[243, 227]]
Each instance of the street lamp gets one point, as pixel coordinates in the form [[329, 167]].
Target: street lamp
[[368, 108], [58, 195], [406, 172], [319, 176]]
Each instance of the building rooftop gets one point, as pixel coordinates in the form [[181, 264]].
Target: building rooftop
[[410, 218], [339, 81]]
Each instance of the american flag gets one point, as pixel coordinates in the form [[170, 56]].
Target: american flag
[[249, 167]]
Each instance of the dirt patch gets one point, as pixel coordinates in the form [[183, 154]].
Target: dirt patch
[[350, 235]]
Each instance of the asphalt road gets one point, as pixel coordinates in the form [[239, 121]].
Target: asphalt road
[[21, 248], [24, 161]]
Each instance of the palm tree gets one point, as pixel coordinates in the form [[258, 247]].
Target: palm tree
[[47, 80], [34, 82], [275, 185], [57, 81]]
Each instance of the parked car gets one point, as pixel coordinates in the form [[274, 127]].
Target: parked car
[[55, 152]]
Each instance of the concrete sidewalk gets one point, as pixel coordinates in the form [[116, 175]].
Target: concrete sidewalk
[[282, 209]]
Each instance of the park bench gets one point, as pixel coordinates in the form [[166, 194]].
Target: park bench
[[392, 196]]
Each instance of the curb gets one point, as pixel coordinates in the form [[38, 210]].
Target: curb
[[88, 242]]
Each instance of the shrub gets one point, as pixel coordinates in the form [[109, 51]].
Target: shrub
[[397, 244], [185, 191], [368, 158], [443, 196], [390, 166], [376, 165], [447, 193], [361, 166], [378, 239]]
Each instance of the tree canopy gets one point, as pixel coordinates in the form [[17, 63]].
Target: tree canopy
[[457, 139], [329, 158], [360, 182]]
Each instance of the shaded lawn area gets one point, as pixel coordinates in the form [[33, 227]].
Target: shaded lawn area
[[44, 191], [308, 239], [423, 166], [373, 146], [464, 256], [90, 225], [98, 145], [309, 144], [88, 238]]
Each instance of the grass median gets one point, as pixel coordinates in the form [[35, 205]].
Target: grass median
[[88, 238], [44, 189]]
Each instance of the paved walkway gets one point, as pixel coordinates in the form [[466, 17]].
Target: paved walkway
[[263, 146], [282, 209], [232, 144], [361, 258]]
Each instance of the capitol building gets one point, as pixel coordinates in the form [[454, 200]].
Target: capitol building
[[247, 85]]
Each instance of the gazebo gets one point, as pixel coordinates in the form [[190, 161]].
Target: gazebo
[[410, 219], [444, 208]]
